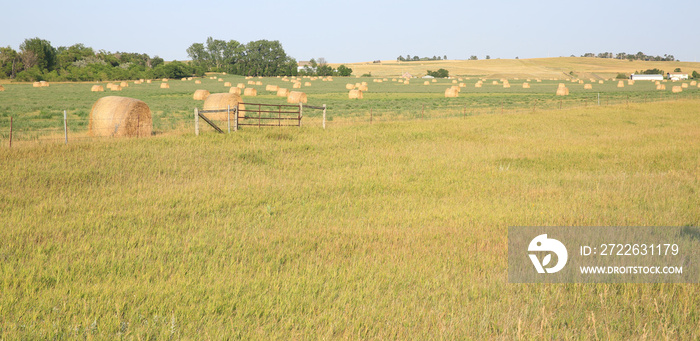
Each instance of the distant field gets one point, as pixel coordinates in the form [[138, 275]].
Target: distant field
[[385, 231], [558, 68], [38, 112]]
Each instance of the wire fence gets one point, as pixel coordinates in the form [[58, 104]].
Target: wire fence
[[71, 128]]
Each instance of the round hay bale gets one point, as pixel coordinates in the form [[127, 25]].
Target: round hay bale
[[251, 82], [2, 88], [296, 97], [200, 94], [363, 87], [660, 86], [307, 83], [220, 79], [456, 88], [258, 83], [227, 84], [164, 86], [234, 90], [250, 92], [630, 82], [406, 82], [588, 86], [620, 84], [198, 82], [97, 88], [676, 89], [116, 116], [462, 85], [296, 85], [426, 83], [223, 101], [36, 85], [478, 84], [684, 85], [506, 84], [562, 91], [165, 79], [494, 82], [601, 82], [44, 83], [526, 85], [240, 86], [282, 92], [271, 87], [454, 81], [451, 92], [434, 80], [116, 88], [355, 94], [124, 84], [149, 81], [693, 83]]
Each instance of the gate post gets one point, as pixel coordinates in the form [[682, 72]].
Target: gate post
[[324, 116], [196, 121], [235, 118], [300, 112], [228, 115]]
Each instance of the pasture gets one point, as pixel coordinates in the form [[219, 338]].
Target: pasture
[[390, 230]]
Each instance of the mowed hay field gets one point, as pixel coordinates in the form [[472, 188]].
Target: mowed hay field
[[386, 231]]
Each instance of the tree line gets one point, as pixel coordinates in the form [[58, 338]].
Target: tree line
[[408, 58], [637, 56], [38, 60]]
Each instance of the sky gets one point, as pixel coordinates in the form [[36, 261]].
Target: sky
[[360, 30]]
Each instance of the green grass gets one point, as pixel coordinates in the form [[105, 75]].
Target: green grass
[[385, 231]]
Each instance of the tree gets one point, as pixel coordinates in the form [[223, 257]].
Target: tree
[[488, 57], [440, 73], [677, 70], [696, 75], [38, 52], [69, 55], [473, 58], [444, 57], [344, 71], [9, 62]]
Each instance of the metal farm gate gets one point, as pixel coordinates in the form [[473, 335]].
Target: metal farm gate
[[256, 115]]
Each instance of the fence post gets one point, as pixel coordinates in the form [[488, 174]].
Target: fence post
[[196, 121], [324, 116], [599, 99], [370, 115], [235, 118], [65, 125], [422, 112], [228, 114], [301, 114], [10, 131]]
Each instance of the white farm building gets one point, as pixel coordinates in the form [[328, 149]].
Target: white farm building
[[677, 76], [643, 77]]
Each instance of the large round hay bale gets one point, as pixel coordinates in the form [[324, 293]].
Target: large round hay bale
[[349, 86], [240, 86], [198, 82], [588, 86], [271, 87], [200, 94], [630, 82], [562, 91], [355, 94], [97, 88], [478, 84], [282, 92], [250, 92], [258, 83], [116, 116], [506, 84], [451, 92], [676, 89], [2, 88], [684, 85], [526, 85], [223, 101], [296, 85], [164, 86], [426, 83], [235, 90], [363, 87], [115, 87], [44, 83], [307, 83], [660, 86], [296, 97], [124, 84], [36, 85], [693, 83], [620, 84], [227, 84]]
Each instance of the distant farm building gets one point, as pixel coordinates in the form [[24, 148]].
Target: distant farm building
[[676, 76], [643, 77]]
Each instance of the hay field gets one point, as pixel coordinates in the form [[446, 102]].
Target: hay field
[[384, 231], [545, 68]]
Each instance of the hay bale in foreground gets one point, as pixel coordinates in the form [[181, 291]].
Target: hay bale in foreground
[[355, 94], [115, 116], [296, 97], [200, 94], [97, 88], [250, 92], [223, 101], [451, 92]]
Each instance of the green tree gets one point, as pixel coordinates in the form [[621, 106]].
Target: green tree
[[344, 71], [68, 55], [440, 73], [10, 62], [38, 52]]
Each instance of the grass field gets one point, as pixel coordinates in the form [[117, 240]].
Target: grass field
[[385, 231]]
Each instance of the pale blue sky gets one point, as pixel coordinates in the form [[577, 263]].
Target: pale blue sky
[[361, 30]]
